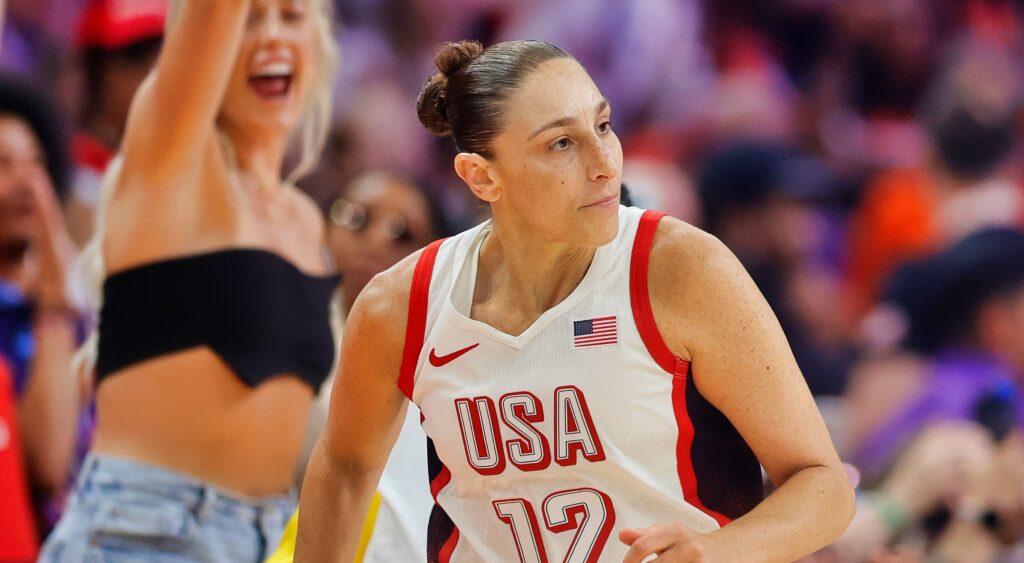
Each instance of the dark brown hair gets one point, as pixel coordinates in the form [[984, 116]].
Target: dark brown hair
[[465, 97]]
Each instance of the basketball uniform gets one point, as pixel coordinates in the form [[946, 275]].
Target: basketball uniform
[[543, 446]]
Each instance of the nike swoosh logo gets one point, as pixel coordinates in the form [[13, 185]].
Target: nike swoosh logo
[[438, 361]]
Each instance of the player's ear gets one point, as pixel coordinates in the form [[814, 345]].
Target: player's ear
[[477, 172]]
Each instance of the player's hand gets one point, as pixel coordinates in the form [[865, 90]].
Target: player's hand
[[671, 543]]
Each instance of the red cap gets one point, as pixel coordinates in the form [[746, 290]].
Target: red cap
[[114, 24]]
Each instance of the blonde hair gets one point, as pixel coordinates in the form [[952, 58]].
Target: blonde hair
[[315, 123], [308, 137]]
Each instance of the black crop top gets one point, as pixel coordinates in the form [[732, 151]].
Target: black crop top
[[257, 311]]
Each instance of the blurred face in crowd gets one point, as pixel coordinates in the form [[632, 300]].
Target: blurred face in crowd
[[22, 170], [558, 163], [34, 11], [1017, 329], [1001, 327], [380, 220], [121, 73], [780, 231], [273, 74]]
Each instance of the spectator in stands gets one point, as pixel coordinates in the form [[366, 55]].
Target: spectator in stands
[[760, 199], [214, 329], [118, 44], [39, 316], [965, 311], [380, 218], [19, 539], [906, 213]]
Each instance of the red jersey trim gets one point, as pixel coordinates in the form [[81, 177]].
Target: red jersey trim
[[643, 316], [415, 328], [440, 482], [448, 548], [639, 297], [684, 444]]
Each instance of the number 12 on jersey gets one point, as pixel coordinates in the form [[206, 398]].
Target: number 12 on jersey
[[586, 510]]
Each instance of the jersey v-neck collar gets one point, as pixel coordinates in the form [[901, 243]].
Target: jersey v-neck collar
[[460, 299]]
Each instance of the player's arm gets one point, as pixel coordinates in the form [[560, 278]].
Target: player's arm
[[710, 312], [174, 111], [366, 415]]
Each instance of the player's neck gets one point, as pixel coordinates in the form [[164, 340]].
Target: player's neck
[[533, 274]]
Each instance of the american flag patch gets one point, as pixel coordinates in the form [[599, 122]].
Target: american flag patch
[[595, 332]]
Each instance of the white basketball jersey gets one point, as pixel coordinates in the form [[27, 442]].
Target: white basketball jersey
[[543, 446]]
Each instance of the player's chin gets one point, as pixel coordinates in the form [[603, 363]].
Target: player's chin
[[601, 230]]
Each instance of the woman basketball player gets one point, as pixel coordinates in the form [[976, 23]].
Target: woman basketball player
[[597, 382], [214, 332]]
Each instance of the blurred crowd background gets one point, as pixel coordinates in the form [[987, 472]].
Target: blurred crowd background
[[863, 158]]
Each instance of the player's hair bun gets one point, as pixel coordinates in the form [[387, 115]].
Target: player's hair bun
[[431, 107]]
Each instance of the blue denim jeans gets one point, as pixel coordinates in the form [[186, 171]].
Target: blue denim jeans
[[123, 510]]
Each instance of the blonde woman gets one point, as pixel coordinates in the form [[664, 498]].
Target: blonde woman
[[214, 331]]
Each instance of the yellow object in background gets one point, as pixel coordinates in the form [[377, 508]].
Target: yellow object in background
[[285, 552]]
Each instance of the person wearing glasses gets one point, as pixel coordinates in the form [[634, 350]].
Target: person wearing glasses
[[380, 218]]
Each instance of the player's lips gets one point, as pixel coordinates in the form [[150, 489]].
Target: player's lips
[[608, 201]]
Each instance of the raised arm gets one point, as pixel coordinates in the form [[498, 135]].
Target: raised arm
[[172, 116], [710, 312], [48, 409], [366, 415]]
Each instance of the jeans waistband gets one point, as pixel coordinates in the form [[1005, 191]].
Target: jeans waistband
[[108, 473]]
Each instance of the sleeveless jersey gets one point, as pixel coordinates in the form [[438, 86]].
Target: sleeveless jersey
[[543, 446]]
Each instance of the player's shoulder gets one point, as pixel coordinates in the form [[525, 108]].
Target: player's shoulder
[[387, 293], [680, 246], [687, 262], [698, 289], [385, 299]]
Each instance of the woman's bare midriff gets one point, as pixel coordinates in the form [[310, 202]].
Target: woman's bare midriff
[[189, 412]]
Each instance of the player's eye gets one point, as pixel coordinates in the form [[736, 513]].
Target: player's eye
[[561, 144]]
